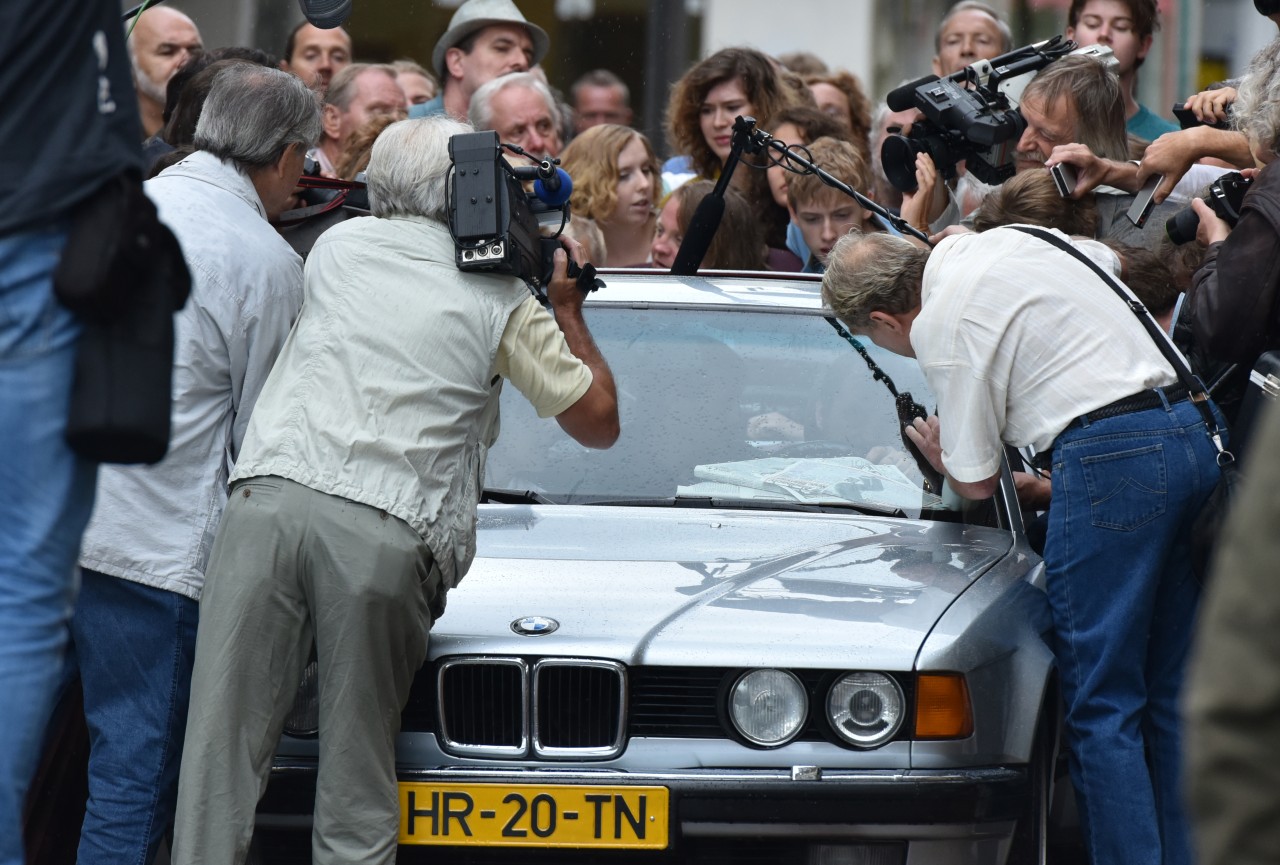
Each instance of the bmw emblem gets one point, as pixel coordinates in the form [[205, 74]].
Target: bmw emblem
[[534, 626]]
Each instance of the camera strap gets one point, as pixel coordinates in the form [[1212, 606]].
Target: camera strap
[[1199, 396]]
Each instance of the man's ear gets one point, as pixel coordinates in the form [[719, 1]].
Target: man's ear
[[937, 66], [331, 121], [884, 319], [453, 62], [282, 167]]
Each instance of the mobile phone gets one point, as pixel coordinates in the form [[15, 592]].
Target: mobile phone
[[1064, 177], [1187, 118], [1144, 201]]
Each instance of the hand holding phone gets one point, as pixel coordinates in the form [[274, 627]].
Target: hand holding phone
[[1064, 177], [1144, 201]]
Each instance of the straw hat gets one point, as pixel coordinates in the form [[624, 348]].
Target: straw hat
[[475, 15]]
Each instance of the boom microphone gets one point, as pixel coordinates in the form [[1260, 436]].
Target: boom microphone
[[326, 14], [702, 229], [904, 98]]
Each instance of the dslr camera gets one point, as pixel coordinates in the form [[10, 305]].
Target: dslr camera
[[496, 225], [971, 115], [1225, 197]]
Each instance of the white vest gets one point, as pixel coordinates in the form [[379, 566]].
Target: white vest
[[385, 392]]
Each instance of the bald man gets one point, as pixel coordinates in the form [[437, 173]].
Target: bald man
[[162, 40]]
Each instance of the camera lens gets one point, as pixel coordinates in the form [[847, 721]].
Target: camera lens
[[1181, 227], [898, 155]]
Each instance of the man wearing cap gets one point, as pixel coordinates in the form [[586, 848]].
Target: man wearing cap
[[485, 39]]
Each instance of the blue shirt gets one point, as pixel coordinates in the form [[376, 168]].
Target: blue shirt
[[430, 108], [1149, 126]]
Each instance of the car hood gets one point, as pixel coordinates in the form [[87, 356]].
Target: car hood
[[674, 586]]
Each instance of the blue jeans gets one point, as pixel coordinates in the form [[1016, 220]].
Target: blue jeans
[[1123, 595], [47, 494], [134, 646]]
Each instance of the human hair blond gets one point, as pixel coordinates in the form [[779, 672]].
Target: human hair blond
[[343, 86], [838, 158], [875, 272], [591, 160]]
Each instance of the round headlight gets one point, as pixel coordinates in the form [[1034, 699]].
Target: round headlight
[[768, 707], [865, 709]]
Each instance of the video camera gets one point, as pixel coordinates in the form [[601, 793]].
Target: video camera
[[971, 115], [496, 225], [1225, 198]]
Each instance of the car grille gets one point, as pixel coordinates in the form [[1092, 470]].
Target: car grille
[[582, 705], [509, 707]]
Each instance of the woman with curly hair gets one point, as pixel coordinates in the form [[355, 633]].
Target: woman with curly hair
[[700, 115], [615, 183], [840, 94]]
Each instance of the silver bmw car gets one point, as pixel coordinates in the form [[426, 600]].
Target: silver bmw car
[[758, 629]]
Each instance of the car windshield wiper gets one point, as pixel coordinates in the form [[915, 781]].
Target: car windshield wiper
[[732, 503], [515, 497]]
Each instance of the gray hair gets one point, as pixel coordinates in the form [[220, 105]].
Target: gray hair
[[481, 113], [1093, 89], [1256, 111], [873, 272], [600, 78], [254, 114], [343, 87], [409, 168], [1006, 35]]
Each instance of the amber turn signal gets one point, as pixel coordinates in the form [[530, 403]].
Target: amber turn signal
[[943, 710]]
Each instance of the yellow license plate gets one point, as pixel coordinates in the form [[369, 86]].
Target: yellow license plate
[[516, 815]]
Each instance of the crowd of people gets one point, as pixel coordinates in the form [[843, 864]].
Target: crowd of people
[[276, 493]]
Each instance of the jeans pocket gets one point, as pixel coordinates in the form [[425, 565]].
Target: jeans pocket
[[1127, 489]]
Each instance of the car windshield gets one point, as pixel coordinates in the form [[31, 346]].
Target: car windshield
[[729, 407]]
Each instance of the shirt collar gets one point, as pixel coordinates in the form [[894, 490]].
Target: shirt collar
[[220, 173]]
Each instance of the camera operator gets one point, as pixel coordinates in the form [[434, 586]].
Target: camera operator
[[1233, 298], [353, 503], [1059, 363]]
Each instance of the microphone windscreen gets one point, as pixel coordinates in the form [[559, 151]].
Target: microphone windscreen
[[697, 239], [326, 14], [904, 98], [554, 194]]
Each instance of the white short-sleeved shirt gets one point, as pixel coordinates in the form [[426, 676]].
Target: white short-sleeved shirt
[[1017, 338]]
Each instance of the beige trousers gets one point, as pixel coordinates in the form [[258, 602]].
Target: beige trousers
[[291, 565]]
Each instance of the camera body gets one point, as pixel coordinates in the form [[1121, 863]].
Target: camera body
[[1225, 197], [971, 115], [496, 225]]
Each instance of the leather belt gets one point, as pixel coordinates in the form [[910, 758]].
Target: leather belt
[[1141, 401]]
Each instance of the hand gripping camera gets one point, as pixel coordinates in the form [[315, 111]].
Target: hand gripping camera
[[1225, 198], [496, 225], [971, 115]]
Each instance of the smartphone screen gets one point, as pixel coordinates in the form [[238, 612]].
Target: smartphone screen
[[1144, 201]]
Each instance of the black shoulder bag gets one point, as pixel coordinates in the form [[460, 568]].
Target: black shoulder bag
[[123, 273], [1213, 514]]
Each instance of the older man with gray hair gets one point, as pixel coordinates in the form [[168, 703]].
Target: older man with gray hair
[[353, 504], [143, 556], [522, 110]]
